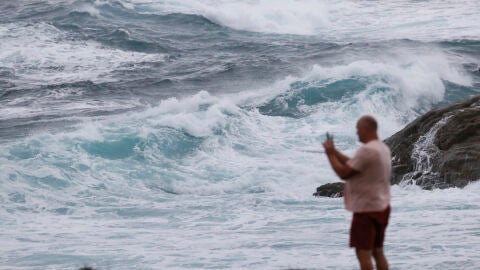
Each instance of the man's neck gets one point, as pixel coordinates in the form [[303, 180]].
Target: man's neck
[[372, 138]]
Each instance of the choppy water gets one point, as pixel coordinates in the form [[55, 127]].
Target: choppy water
[[149, 134]]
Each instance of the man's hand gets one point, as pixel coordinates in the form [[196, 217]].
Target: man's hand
[[338, 160], [329, 147]]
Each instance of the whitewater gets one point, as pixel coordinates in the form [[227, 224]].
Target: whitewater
[[150, 134]]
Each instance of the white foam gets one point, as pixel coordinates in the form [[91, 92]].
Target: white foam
[[283, 17], [42, 54], [424, 149], [88, 8]]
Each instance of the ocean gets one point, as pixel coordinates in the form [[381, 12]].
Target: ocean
[[186, 134]]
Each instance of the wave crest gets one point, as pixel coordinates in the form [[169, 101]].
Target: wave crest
[[334, 20]]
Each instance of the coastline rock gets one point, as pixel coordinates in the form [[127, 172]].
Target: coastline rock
[[87, 268], [440, 149], [333, 190]]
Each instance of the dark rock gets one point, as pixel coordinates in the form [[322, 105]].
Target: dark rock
[[440, 149], [333, 190], [87, 268]]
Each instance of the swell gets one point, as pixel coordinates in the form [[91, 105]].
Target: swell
[[152, 33], [24, 10]]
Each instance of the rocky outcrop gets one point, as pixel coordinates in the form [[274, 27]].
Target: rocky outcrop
[[87, 268], [440, 149], [330, 190]]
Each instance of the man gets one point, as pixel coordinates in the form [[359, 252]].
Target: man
[[366, 192]]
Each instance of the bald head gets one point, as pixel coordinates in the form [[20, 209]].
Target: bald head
[[367, 128], [369, 122]]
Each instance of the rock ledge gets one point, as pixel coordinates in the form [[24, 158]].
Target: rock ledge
[[333, 190], [440, 149]]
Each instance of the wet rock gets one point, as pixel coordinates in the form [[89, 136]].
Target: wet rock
[[440, 149], [333, 190], [87, 268]]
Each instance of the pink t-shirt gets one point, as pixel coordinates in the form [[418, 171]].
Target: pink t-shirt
[[369, 189]]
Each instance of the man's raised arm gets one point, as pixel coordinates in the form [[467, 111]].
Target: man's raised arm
[[338, 161], [341, 157]]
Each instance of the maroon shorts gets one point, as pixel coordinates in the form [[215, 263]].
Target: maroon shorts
[[368, 229]]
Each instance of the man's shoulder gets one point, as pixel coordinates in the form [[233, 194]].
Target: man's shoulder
[[377, 146]]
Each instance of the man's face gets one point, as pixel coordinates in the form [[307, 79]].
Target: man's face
[[361, 131]]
